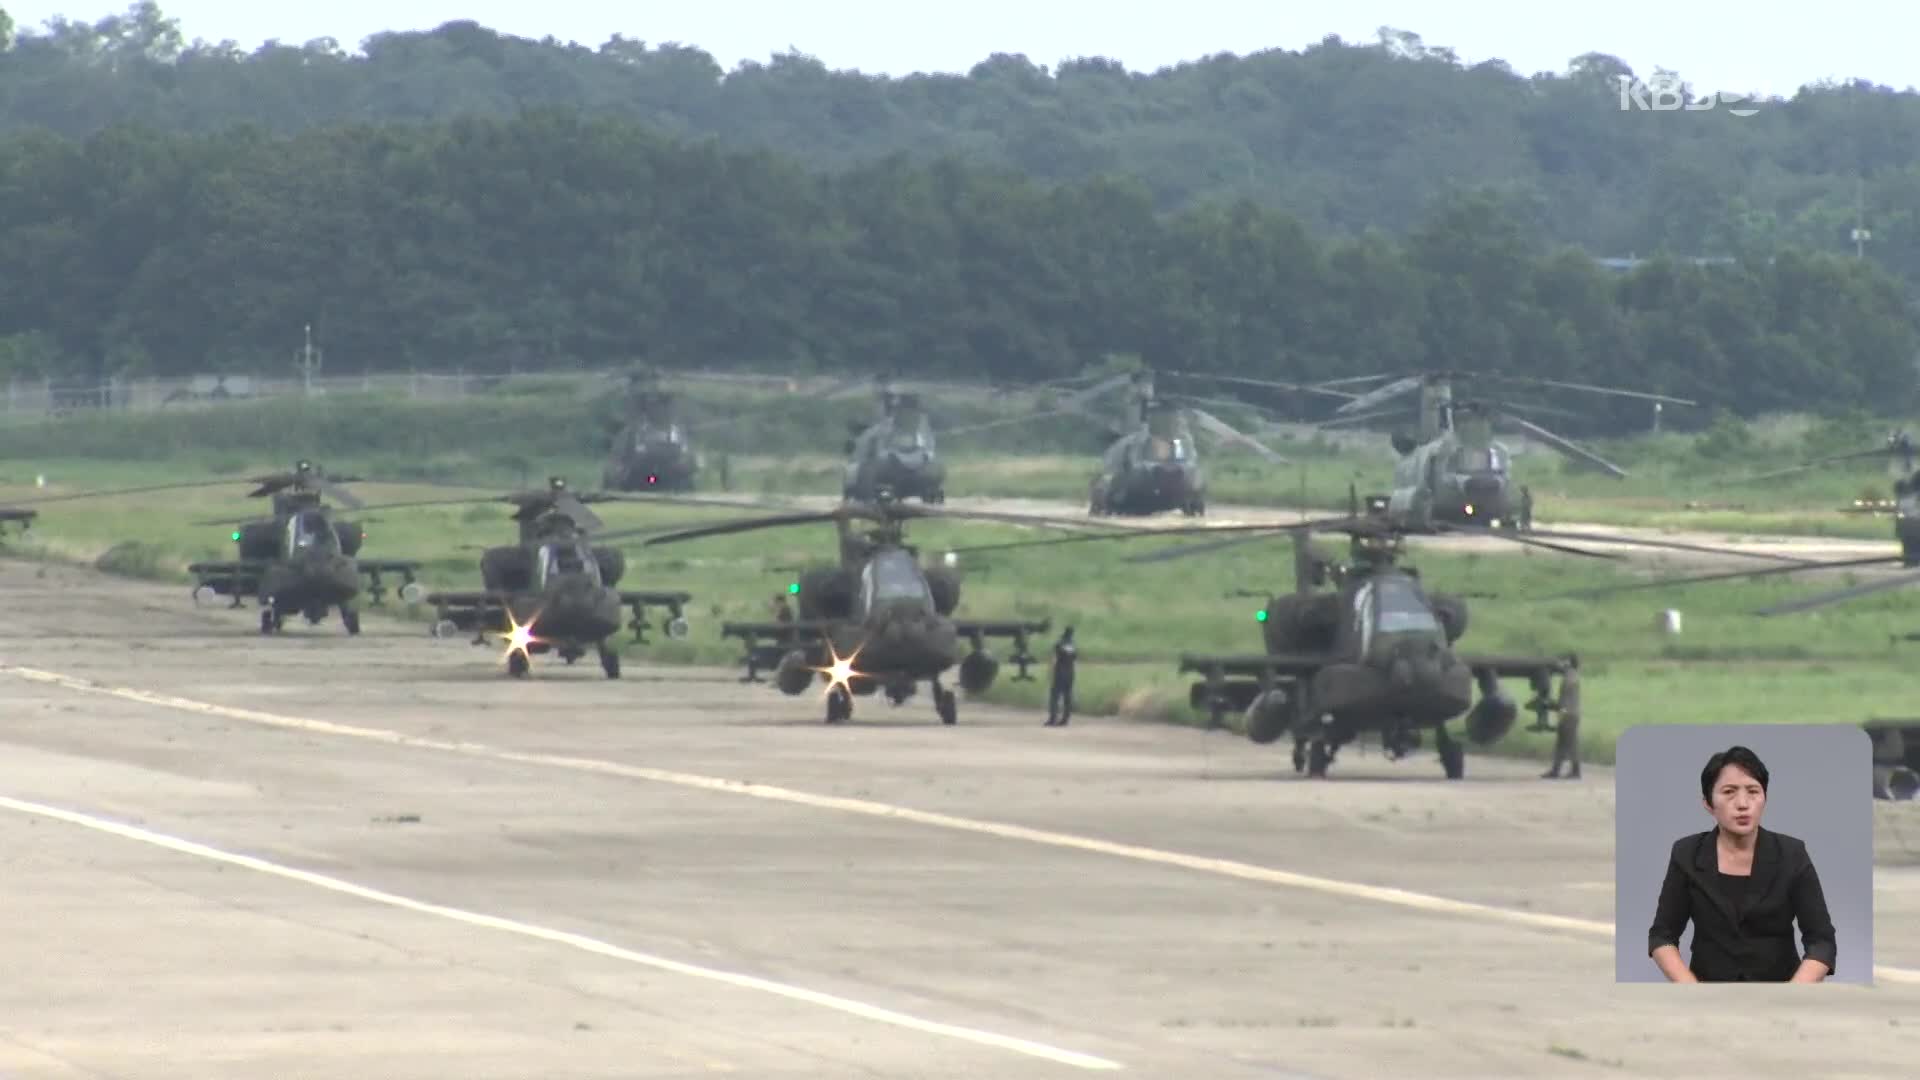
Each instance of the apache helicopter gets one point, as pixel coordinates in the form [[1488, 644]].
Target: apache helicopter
[[894, 454], [1374, 656], [302, 560], [1154, 466], [553, 591], [878, 620], [1898, 449], [1453, 470]]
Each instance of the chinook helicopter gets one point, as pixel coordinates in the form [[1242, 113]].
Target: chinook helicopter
[[650, 452], [1454, 471], [302, 560], [878, 621], [895, 454], [553, 591], [1154, 466]]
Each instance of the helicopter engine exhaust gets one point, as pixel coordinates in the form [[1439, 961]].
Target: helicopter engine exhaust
[[1491, 718], [978, 671], [1896, 782], [794, 674], [1269, 716]]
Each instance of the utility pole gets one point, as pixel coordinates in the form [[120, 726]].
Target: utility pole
[[308, 361]]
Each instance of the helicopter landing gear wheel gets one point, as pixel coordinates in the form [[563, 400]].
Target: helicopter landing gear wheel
[[270, 619], [609, 661], [1453, 756], [351, 620], [1195, 508], [946, 705], [1318, 758], [518, 665], [1299, 757], [839, 705]]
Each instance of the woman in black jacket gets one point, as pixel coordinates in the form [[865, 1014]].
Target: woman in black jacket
[[1743, 887]]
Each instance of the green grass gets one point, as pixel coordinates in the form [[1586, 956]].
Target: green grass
[[1836, 665]]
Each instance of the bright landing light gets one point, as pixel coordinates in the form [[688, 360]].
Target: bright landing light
[[841, 671], [519, 637]]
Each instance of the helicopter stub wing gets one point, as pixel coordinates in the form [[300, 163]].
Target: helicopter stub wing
[[796, 632], [387, 566], [1000, 627], [654, 596], [1232, 434], [475, 599], [1279, 665], [1512, 667]]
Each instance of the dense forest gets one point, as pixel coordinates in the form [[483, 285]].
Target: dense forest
[[167, 209], [1342, 136]]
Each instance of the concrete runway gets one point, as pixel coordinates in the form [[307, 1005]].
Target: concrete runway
[[318, 856]]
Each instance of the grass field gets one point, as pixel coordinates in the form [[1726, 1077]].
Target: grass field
[[1839, 665]]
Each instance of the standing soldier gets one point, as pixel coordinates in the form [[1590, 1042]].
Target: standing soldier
[[1526, 508], [1060, 690], [1566, 740], [782, 611]]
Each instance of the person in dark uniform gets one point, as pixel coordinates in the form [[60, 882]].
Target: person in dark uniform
[[1060, 689], [1743, 888], [1566, 739], [1526, 508], [782, 611]]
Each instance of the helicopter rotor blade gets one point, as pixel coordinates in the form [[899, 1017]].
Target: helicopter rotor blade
[[1362, 418], [340, 494], [1566, 447], [1232, 434], [1271, 384], [1805, 466], [1183, 550], [1823, 599], [111, 492], [1591, 389], [1634, 541], [1526, 541], [1720, 575], [1382, 393]]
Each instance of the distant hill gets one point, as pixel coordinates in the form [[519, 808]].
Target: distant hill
[[1341, 136]]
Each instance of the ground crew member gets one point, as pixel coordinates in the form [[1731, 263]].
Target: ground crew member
[[1060, 689], [1526, 509], [1566, 741], [782, 611]]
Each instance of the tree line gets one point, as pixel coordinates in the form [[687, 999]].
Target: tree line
[[1343, 136], [558, 238]]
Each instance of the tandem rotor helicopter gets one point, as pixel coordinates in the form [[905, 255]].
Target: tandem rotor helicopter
[[1451, 470], [878, 620]]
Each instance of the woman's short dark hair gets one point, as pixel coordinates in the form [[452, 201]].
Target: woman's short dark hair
[[1748, 762]]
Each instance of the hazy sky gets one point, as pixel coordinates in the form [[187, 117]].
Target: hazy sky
[[1771, 46]]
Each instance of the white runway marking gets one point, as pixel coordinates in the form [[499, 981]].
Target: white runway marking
[[1585, 928], [562, 937]]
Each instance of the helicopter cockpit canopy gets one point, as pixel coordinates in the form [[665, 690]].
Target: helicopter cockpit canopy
[[1480, 459], [1392, 605], [646, 435], [1166, 448], [309, 530], [566, 559], [915, 434], [892, 576]]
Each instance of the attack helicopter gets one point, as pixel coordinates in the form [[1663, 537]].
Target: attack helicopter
[[878, 621], [1453, 470], [894, 454], [1898, 449], [554, 590], [1363, 649], [300, 560], [1154, 466]]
